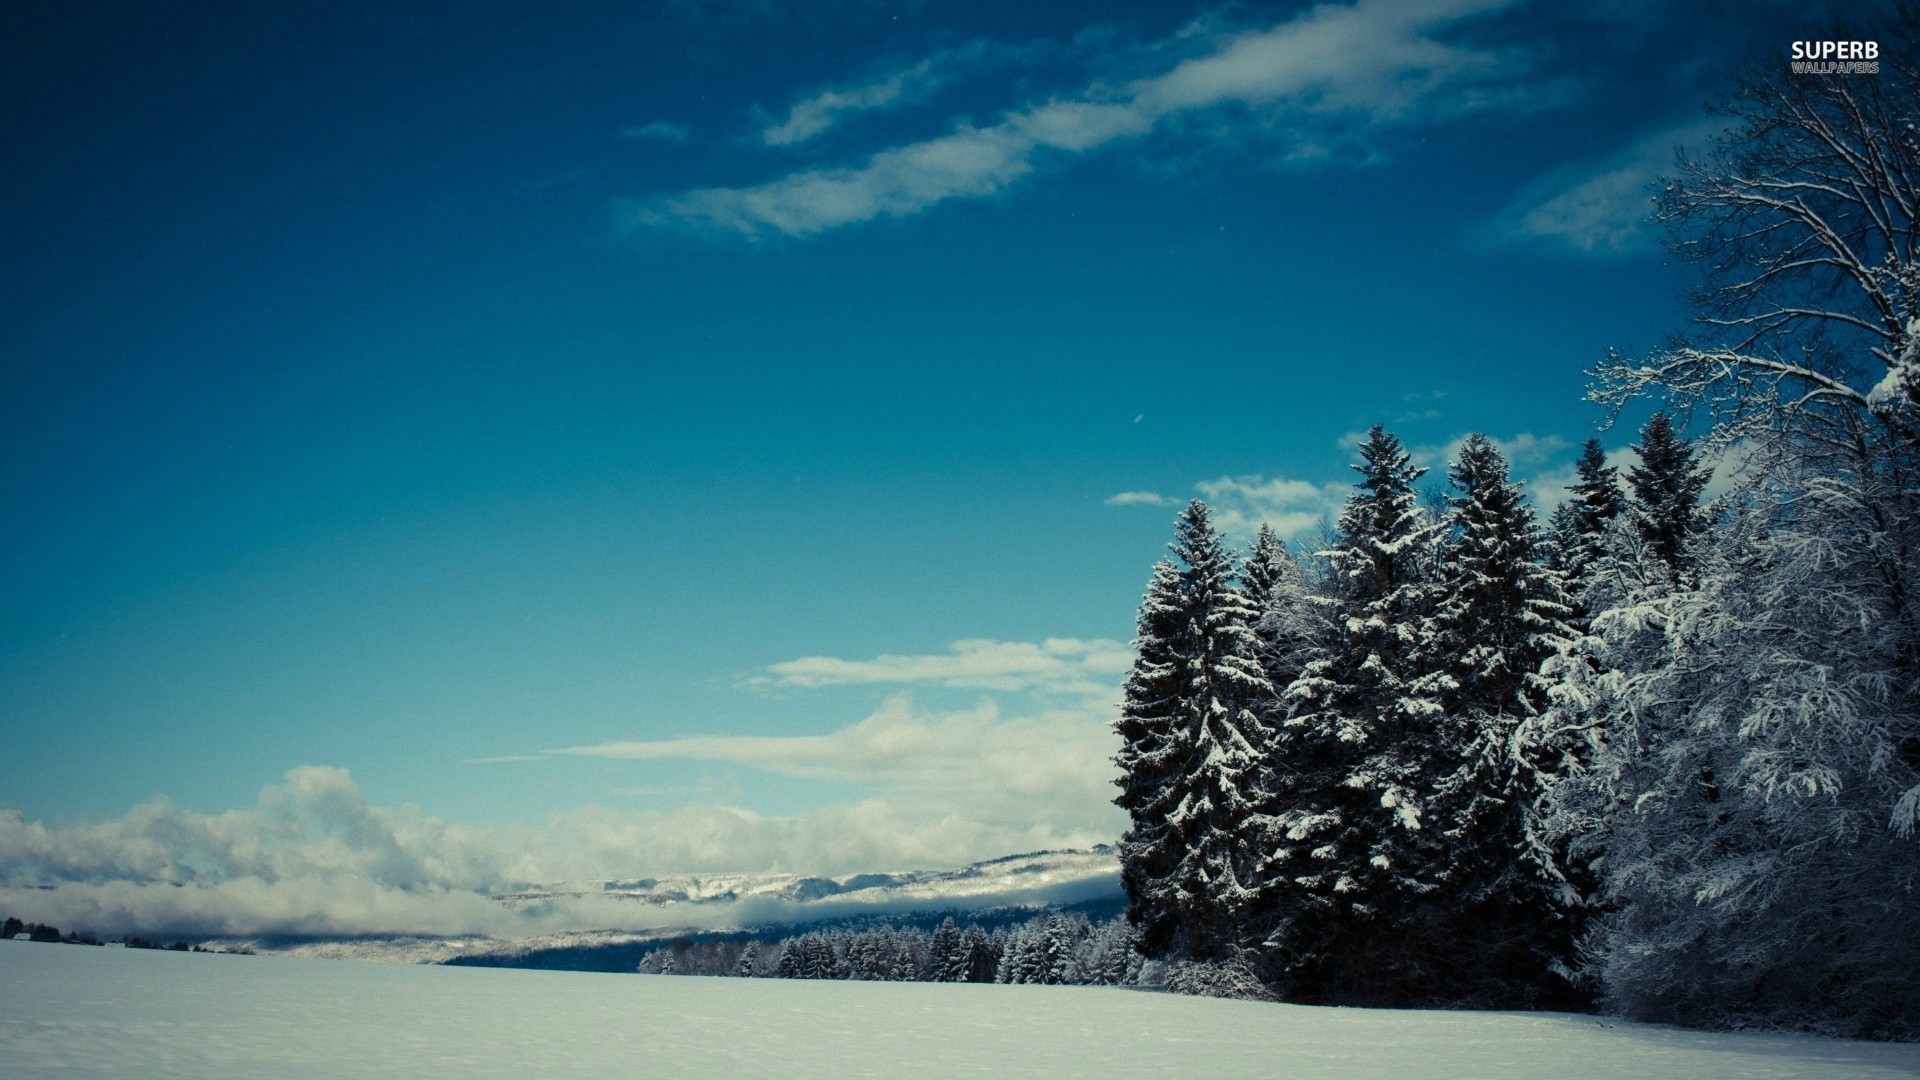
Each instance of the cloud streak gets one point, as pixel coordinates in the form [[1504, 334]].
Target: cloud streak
[[658, 131], [816, 114], [1600, 207], [1138, 498], [1331, 74], [1061, 665], [1054, 766]]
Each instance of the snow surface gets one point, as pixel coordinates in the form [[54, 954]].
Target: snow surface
[[76, 1011]]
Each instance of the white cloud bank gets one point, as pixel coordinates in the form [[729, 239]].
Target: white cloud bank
[[1329, 75], [313, 857]]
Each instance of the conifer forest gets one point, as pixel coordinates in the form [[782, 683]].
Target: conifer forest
[[1657, 750]]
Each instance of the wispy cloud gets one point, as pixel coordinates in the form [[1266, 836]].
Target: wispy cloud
[[1053, 766], [1331, 74], [1138, 498], [1599, 207], [1060, 665], [817, 113], [658, 131]]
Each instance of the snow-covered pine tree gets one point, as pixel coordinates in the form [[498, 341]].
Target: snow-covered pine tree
[[945, 961], [791, 961], [1287, 625], [1497, 925], [1193, 753], [1579, 529], [1063, 935], [1667, 485], [981, 958], [749, 958], [906, 957], [1347, 847], [1016, 957]]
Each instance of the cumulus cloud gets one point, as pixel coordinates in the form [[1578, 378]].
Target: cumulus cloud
[[1241, 504], [1293, 507], [1599, 207], [314, 858], [1333, 73], [1524, 451], [1068, 665]]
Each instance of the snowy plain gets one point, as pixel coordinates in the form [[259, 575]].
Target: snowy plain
[[77, 1011]]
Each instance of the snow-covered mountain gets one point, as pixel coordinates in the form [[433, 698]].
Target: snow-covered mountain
[[1010, 879]]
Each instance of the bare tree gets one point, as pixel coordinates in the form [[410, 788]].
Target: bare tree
[[1804, 219]]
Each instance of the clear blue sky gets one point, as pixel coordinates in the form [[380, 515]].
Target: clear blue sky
[[387, 390]]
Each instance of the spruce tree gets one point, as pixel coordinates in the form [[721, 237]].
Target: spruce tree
[[981, 958], [1193, 753], [1346, 850], [1580, 523], [1494, 925], [945, 962], [1285, 625], [1667, 485]]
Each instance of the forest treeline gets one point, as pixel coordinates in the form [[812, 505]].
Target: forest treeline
[[1659, 752], [1054, 948], [12, 928]]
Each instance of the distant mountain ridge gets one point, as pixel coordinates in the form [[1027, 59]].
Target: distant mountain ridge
[[1016, 873]]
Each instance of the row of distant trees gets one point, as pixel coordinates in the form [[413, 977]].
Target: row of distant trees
[[11, 928], [1047, 948], [1661, 752]]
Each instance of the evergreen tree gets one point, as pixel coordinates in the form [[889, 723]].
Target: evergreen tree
[[1193, 753], [1580, 523], [749, 956], [1666, 497], [1495, 927], [945, 961], [906, 960], [981, 958], [1286, 626], [1500, 611], [1347, 845]]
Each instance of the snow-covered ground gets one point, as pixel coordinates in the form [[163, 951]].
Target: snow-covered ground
[[75, 1011]]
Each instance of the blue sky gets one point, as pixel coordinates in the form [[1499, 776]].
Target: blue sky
[[597, 430]]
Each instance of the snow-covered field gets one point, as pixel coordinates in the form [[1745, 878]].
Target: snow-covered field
[[75, 1011]]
